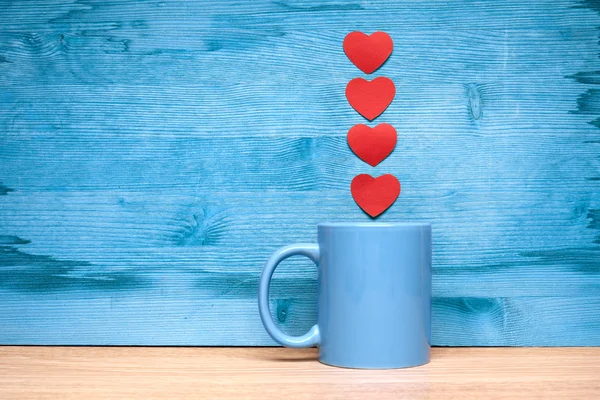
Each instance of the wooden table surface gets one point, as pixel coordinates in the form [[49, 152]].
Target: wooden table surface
[[218, 373]]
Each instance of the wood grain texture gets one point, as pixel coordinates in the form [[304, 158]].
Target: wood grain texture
[[153, 154], [259, 373]]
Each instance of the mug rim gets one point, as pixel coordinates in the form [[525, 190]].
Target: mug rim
[[365, 224]]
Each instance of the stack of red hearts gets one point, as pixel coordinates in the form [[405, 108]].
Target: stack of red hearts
[[370, 99]]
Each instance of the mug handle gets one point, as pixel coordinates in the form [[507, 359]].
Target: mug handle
[[310, 338]]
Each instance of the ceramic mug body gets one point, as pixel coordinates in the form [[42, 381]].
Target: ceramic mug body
[[374, 294]]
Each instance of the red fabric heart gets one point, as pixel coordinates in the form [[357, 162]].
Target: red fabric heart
[[375, 195], [370, 99], [372, 145], [368, 52]]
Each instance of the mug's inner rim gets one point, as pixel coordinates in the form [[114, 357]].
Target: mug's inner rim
[[373, 224]]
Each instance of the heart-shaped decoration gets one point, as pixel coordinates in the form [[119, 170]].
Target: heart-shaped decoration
[[368, 52], [375, 195], [370, 99], [372, 145]]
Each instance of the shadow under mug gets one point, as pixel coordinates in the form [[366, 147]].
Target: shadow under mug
[[374, 294]]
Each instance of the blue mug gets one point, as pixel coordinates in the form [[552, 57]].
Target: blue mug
[[374, 294]]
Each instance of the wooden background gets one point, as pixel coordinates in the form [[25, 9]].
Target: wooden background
[[154, 153]]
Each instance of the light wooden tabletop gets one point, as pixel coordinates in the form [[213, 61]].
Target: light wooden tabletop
[[219, 373]]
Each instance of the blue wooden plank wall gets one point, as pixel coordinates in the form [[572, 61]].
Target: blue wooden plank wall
[[154, 153]]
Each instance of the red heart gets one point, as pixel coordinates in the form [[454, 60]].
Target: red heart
[[375, 195], [372, 145], [370, 99], [368, 52]]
